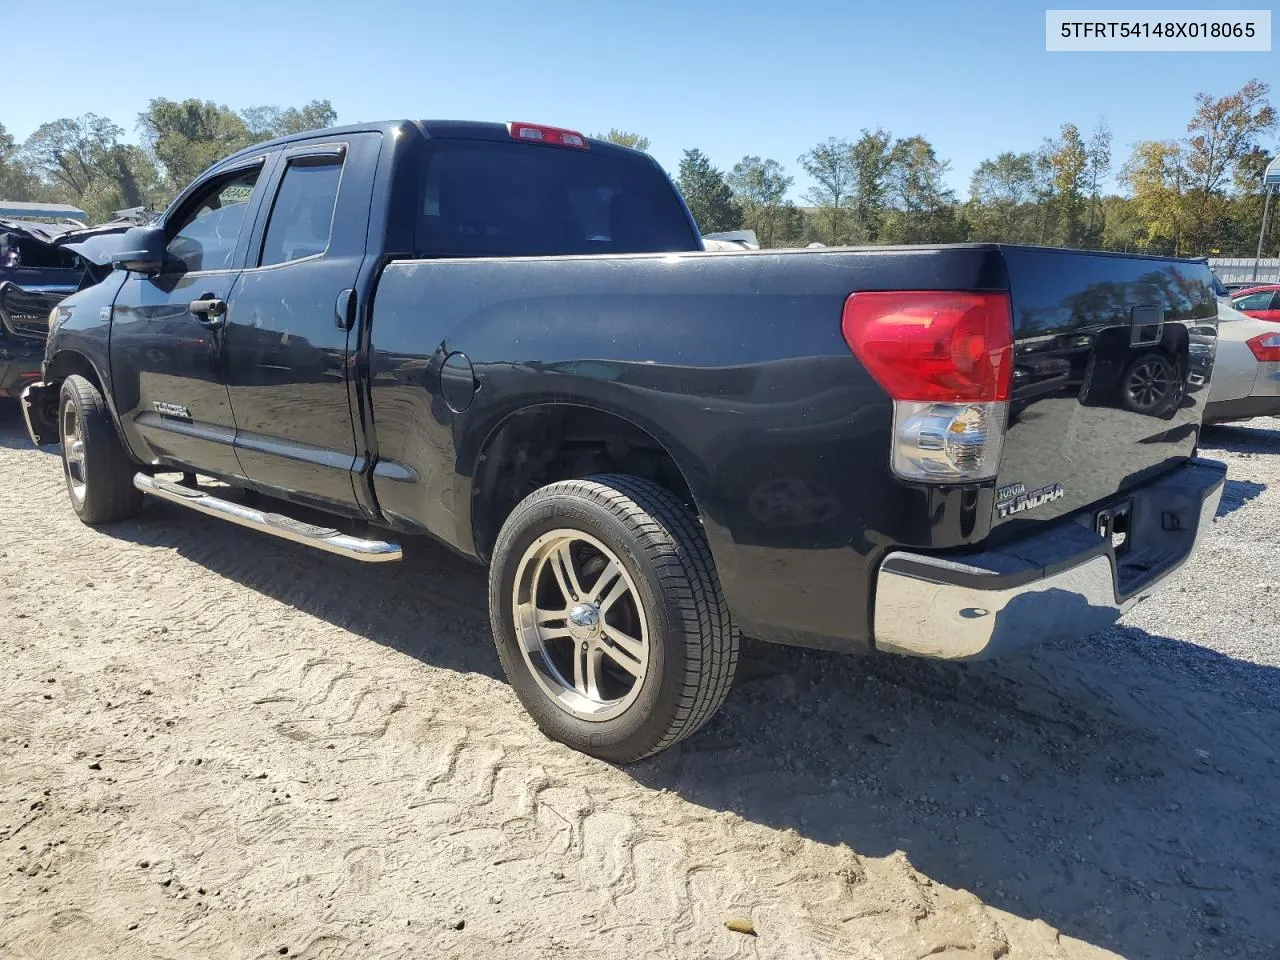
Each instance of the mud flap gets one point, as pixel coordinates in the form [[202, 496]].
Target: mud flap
[[39, 404]]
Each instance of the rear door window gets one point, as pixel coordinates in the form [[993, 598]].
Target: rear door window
[[494, 199], [302, 215]]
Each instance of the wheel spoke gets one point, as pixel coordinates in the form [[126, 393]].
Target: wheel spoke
[[546, 617], [587, 661], [594, 657], [611, 577], [566, 574], [627, 652]]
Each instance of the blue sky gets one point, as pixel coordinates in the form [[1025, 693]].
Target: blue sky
[[734, 78]]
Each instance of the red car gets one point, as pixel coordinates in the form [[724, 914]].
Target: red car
[[1262, 301]]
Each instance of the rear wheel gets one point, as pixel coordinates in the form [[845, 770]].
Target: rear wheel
[[98, 471], [608, 616]]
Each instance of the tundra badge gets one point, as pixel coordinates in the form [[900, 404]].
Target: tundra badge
[[1014, 498], [171, 410]]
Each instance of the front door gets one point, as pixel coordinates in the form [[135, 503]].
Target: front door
[[291, 319], [168, 331]]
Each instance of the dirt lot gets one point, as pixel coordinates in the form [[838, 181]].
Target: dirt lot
[[216, 745]]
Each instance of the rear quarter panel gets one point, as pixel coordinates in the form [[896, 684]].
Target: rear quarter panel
[[734, 362]]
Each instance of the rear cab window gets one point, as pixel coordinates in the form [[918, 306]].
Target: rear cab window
[[486, 198]]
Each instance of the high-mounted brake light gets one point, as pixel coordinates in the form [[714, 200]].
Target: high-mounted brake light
[[1266, 347], [556, 136], [946, 359]]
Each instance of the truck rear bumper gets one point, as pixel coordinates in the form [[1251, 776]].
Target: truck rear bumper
[[1061, 582]]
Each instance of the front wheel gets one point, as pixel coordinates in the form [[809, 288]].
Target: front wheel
[[98, 471], [609, 618]]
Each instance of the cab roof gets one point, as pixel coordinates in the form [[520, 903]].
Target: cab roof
[[431, 130]]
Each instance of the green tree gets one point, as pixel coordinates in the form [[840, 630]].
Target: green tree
[[1158, 177], [16, 181], [624, 138], [82, 160], [831, 168], [1097, 169], [267, 122], [923, 208], [187, 137], [1002, 195], [760, 188], [65, 153], [708, 195], [1066, 161], [1224, 134], [872, 160], [1123, 228]]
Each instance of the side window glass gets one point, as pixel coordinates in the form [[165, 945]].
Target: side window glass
[[1255, 301], [207, 234], [302, 215]]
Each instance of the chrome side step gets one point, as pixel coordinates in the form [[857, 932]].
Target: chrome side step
[[322, 538]]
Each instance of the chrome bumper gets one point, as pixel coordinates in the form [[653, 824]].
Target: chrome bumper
[[1063, 583]]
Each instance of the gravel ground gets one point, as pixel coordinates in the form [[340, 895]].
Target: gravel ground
[[218, 745]]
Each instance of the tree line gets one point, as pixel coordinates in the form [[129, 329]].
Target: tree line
[[1196, 195], [1193, 195], [87, 162]]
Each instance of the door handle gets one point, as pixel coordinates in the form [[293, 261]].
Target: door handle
[[209, 310], [345, 310]]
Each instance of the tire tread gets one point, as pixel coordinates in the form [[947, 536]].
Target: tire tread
[[674, 543], [110, 493]]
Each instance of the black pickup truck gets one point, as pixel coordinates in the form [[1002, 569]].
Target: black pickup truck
[[509, 337]]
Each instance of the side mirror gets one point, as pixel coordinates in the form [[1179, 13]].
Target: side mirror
[[141, 249]]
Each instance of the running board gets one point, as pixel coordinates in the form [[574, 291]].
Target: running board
[[322, 538]]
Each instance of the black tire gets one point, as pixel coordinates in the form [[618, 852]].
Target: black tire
[[104, 489], [692, 645], [1151, 384]]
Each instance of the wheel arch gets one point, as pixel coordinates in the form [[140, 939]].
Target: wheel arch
[[544, 442], [69, 362]]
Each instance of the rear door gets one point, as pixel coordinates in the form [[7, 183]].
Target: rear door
[[288, 346], [168, 363], [1112, 358]]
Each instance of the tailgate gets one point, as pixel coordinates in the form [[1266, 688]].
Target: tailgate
[[1112, 360]]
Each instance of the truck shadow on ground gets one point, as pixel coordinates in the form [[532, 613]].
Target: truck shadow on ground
[[1242, 438], [1122, 789], [1238, 493]]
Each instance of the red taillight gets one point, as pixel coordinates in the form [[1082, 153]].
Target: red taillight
[[939, 347], [1266, 347], [556, 136]]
